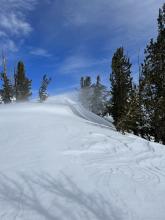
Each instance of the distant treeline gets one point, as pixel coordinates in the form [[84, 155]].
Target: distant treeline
[[137, 108], [17, 88]]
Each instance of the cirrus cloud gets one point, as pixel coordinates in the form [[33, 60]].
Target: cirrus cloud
[[13, 22], [40, 52]]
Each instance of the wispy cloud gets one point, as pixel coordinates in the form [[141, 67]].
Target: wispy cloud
[[78, 36], [78, 63], [133, 20], [13, 22], [40, 52], [8, 45], [111, 11]]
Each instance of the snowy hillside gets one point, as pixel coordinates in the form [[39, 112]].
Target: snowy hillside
[[61, 162]]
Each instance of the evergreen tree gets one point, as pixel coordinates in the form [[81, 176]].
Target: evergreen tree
[[7, 91], [7, 88], [133, 115], [98, 80], [148, 89], [143, 126], [98, 97], [22, 83], [1, 96], [87, 81], [159, 118], [82, 82], [43, 95], [121, 89], [86, 92], [153, 77]]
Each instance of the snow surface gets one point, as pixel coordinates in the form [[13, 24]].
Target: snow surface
[[58, 161]]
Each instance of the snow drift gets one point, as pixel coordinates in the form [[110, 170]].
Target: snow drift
[[59, 161]]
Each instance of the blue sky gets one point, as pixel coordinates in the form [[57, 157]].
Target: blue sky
[[70, 38]]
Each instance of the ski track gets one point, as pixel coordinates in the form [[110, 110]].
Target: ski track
[[60, 136], [144, 167]]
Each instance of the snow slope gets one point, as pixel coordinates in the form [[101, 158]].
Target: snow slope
[[59, 161]]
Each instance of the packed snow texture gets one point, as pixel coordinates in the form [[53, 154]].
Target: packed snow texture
[[60, 162]]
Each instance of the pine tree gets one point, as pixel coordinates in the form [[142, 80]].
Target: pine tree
[[153, 90], [143, 130], [133, 115], [22, 83], [87, 81], [43, 95], [121, 88], [82, 82], [7, 88], [1, 96], [7, 91], [98, 97], [86, 92], [160, 61]]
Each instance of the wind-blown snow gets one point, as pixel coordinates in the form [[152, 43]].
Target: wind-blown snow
[[58, 161]]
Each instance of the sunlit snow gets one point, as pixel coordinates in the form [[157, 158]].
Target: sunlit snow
[[58, 161]]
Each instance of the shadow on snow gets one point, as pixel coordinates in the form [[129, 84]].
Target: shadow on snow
[[45, 197]]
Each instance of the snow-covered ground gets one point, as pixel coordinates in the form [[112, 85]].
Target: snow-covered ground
[[61, 162]]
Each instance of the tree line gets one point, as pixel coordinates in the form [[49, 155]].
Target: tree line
[[17, 88], [140, 107]]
